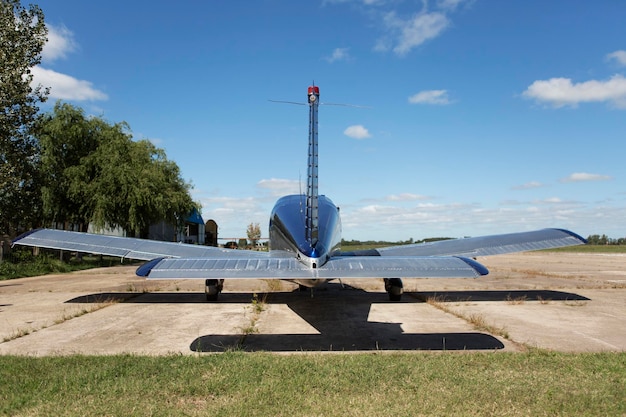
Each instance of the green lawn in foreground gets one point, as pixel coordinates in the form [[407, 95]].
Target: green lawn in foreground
[[370, 384]]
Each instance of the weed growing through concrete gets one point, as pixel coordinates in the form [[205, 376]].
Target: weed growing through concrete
[[476, 320], [65, 316], [515, 300]]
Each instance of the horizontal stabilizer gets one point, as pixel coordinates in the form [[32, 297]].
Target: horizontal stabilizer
[[489, 245], [124, 247], [291, 268]]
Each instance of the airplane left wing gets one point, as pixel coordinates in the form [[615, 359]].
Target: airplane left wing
[[291, 268], [124, 247]]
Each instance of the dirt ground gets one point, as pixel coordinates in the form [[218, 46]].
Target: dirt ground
[[558, 301]]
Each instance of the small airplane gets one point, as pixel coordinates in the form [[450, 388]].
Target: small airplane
[[304, 246]]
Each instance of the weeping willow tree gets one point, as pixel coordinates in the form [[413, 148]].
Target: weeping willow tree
[[97, 174]]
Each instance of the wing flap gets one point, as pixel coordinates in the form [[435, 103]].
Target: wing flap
[[402, 267], [291, 268], [489, 245], [124, 247], [221, 268]]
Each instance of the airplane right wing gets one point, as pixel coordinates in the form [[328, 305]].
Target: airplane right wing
[[487, 245]]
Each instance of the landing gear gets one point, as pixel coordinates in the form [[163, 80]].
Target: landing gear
[[393, 286], [212, 288], [304, 288]]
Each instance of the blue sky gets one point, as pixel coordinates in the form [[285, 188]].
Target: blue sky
[[483, 116]]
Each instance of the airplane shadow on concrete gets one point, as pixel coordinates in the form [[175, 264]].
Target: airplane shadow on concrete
[[340, 315]]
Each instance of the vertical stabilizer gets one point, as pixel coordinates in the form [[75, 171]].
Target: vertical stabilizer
[[312, 204]]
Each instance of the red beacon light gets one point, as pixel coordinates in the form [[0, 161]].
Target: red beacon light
[[314, 93]]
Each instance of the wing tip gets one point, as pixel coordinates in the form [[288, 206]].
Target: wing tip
[[145, 269], [582, 240], [24, 235], [476, 266]]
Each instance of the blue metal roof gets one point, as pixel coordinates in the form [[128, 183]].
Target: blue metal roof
[[194, 217]]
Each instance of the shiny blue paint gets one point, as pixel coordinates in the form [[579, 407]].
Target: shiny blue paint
[[288, 232]]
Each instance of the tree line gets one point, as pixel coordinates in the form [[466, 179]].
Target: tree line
[[605, 240], [65, 167]]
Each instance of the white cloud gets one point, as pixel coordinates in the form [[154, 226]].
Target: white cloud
[[65, 87], [404, 27], [60, 43], [618, 56], [410, 33], [430, 97], [357, 132], [405, 197], [528, 186], [584, 176], [339, 54], [449, 4], [280, 187], [560, 92]]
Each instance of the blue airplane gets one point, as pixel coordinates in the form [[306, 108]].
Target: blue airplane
[[304, 246]]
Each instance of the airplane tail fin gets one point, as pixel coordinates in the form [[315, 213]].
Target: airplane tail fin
[[312, 194]]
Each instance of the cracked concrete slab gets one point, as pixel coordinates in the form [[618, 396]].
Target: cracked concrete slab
[[569, 302]]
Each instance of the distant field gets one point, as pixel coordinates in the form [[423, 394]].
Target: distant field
[[373, 384], [591, 249]]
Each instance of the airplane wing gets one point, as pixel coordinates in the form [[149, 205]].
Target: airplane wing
[[291, 268], [485, 245], [124, 247], [169, 260]]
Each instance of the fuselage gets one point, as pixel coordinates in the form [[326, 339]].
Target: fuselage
[[288, 232], [307, 225]]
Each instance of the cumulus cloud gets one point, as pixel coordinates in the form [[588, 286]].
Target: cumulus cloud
[[60, 43], [618, 56], [560, 92], [430, 97], [357, 132], [65, 87], [584, 176], [339, 54], [62, 86]]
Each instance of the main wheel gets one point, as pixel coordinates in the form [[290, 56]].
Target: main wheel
[[394, 286], [212, 288]]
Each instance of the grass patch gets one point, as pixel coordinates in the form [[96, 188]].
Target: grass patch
[[242, 384], [22, 263], [590, 249]]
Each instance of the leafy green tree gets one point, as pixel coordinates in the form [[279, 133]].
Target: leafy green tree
[[22, 37], [143, 187], [96, 173], [66, 136]]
